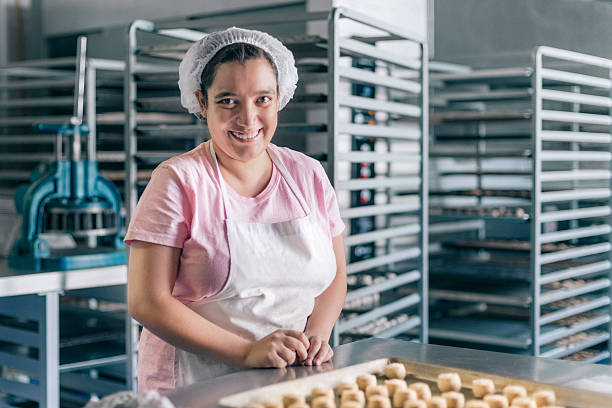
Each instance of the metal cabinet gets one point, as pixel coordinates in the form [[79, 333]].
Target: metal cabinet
[[524, 155]]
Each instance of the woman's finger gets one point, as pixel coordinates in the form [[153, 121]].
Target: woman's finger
[[323, 355], [287, 354], [297, 346], [298, 335], [315, 346]]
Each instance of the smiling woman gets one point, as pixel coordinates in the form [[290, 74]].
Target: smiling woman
[[236, 258]]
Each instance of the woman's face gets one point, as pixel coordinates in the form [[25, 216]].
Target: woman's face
[[242, 108]]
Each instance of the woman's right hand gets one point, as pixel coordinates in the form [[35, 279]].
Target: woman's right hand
[[278, 349]]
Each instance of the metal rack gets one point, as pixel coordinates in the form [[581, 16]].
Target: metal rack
[[525, 151], [323, 114]]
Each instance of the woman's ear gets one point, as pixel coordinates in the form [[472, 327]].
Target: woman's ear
[[200, 96]]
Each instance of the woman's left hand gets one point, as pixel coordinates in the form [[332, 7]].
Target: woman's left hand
[[319, 351]]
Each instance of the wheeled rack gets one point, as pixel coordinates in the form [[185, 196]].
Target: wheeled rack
[[526, 151], [372, 142]]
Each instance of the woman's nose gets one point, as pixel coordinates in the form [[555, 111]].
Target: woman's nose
[[247, 114]]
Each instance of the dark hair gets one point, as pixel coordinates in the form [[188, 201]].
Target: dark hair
[[239, 52]]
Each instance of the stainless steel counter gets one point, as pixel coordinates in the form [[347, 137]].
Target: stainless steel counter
[[557, 372], [16, 282]]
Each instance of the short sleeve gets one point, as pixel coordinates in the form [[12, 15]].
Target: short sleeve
[[163, 213], [336, 225]]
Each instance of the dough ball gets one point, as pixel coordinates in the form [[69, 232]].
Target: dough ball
[[401, 396], [353, 395], [289, 399], [323, 401], [523, 402], [365, 380], [454, 399], [513, 391], [395, 370], [346, 385], [272, 404], [544, 398], [377, 390], [351, 404], [476, 404], [321, 391], [482, 387], [449, 382], [423, 391], [436, 402], [496, 401], [299, 405], [394, 385], [415, 404], [379, 401]]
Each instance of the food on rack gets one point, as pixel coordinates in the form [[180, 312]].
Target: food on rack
[[401, 396], [323, 402], [523, 402], [321, 391], [544, 397], [449, 382], [353, 395], [373, 390], [395, 384], [482, 387], [346, 385], [476, 404], [514, 391], [415, 404], [436, 402], [365, 380], [395, 370], [581, 355], [496, 401], [379, 401], [422, 389], [576, 338], [289, 399], [454, 399]]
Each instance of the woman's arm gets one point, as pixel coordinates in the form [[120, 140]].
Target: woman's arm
[[326, 310], [152, 274]]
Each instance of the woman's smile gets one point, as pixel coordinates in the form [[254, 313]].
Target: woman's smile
[[246, 136]]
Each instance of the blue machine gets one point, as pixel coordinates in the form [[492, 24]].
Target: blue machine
[[69, 201]]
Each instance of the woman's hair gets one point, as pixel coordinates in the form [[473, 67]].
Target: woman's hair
[[237, 52]]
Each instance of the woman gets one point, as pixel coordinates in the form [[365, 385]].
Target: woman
[[236, 258]]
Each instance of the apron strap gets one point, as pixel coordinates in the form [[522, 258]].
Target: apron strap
[[281, 167]]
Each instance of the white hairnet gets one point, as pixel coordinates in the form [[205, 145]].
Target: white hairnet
[[200, 53]]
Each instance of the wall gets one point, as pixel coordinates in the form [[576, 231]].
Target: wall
[[503, 33]]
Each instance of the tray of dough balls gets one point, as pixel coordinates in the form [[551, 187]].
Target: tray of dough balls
[[396, 383]]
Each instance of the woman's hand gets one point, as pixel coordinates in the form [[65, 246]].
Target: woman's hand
[[319, 351], [278, 349]]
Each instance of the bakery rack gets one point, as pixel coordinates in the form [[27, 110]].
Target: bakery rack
[[525, 151], [325, 121]]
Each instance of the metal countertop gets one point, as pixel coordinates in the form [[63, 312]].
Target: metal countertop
[[15, 282], [591, 377]]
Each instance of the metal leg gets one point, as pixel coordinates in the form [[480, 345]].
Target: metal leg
[[49, 350]]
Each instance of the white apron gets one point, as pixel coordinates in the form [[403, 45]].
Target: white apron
[[276, 272]]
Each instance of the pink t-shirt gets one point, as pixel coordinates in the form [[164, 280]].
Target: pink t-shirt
[[182, 207]]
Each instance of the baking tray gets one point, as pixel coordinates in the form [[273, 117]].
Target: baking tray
[[417, 371]]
